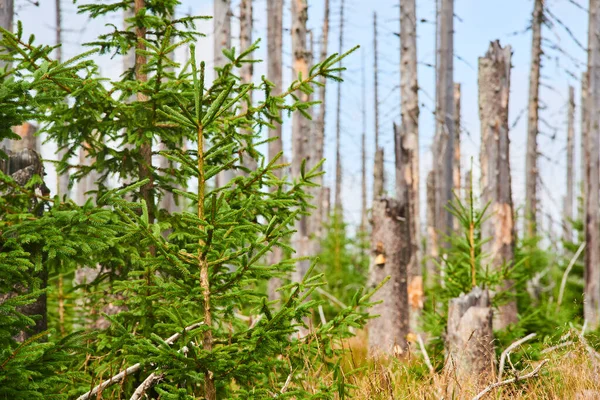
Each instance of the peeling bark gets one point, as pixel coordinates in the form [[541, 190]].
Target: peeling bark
[[494, 89]]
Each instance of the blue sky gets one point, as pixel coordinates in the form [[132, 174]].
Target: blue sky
[[477, 22]]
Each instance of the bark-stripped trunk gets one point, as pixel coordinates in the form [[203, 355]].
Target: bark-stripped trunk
[[494, 89], [591, 305], [6, 21], [468, 186], [570, 196], [274, 62], [338, 127], [62, 180], [389, 257], [431, 234], [444, 143], [363, 193], [378, 168], [470, 339], [247, 70], [531, 167], [222, 40], [409, 108], [300, 128], [456, 163], [318, 216], [585, 127]]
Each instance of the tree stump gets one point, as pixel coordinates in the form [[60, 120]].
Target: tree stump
[[469, 338]]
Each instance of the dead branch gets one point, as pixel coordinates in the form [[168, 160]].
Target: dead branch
[[511, 380], [131, 370], [558, 346], [330, 297], [563, 283], [147, 384], [425, 355], [507, 351]]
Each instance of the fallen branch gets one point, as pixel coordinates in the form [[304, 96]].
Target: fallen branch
[[563, 282], [147, 384], [558, 346], [508, 350], [131, 370], [322, 315], [425, 355], [511, 380]]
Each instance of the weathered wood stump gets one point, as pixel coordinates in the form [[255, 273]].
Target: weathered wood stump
[[469, 338]]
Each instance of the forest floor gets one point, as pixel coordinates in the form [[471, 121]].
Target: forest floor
[[570, 372]]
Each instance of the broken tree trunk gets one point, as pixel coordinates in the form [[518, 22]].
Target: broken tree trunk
[[409, 108], [591, 305], [274, 74], [570, 196], [21, 166], [404, 146], [300, 128], [363, 159], [494, 89], [531, 167], [389, 257], [469, 338], [444, 135]]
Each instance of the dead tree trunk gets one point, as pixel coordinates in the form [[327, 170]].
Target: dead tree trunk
[[591, 306], [585, 127], [247, 68], [274, 62], [468, 185], [531, 167], [62, 180], [338, 127], [570, 197], [389, 257], [222, 40], [21, 165], [409, 107], [363, 211], [319, 139], [444, 143], [300, 128], [431, 244], [378, 168], [494, 89], [469, 338], [456, 162]]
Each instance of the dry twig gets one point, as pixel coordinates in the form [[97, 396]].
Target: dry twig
[[507, 351], [511, 380]]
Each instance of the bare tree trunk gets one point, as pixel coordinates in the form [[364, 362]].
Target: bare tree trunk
[[585, 127], [338, 128], [591, 305], [468, 185], [21, 165], [444, 147], [247, 68], [409, 107], [62, 180], [387, 333], [300, 129], [570, 197], [326, 204], [318, 216], [364, 219], [431, 244], [146, 191], [531, 167], [494, 89], [378, 168], [6, 21], [274, 62], [470, 339], [222, 40], [456, 165]]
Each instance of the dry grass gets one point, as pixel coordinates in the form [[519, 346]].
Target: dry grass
[[569, 374]]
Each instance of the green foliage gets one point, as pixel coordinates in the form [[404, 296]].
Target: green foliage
[[151, 269]]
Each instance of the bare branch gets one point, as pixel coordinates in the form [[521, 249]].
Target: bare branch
[[563, 283], [510, 348], [425, 355], [511, 380]]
